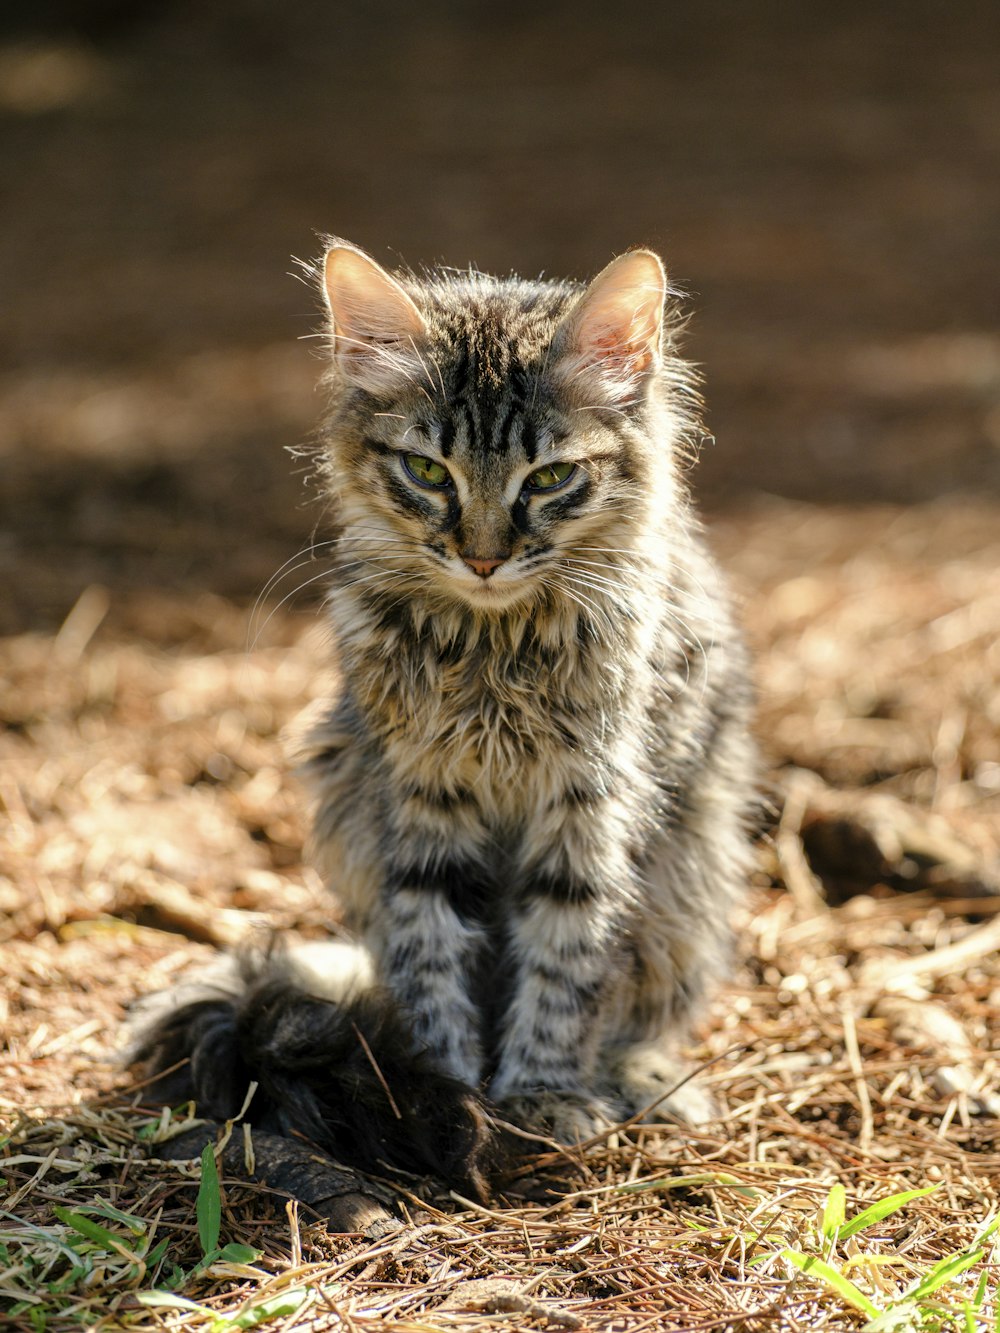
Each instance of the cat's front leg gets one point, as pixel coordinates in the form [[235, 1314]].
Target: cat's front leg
[[563, 938], [429, 954]]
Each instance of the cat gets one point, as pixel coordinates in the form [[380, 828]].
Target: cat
[[534, 790]]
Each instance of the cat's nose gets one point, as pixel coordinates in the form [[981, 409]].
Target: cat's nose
[[483, 567]]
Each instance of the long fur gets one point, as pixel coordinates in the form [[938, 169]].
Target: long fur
[[341, 1075], [534, 786]]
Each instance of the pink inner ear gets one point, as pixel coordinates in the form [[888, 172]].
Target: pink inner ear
[[619, 352], [612, 350], [616, 327]]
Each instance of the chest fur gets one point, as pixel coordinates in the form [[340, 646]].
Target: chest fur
[[512, 719]]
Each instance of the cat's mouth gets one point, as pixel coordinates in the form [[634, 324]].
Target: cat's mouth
[[499, 590]]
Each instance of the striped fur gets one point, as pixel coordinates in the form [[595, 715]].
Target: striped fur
[[532, 791]]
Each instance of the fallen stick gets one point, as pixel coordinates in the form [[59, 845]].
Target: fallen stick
[[341, 1197], [980, 941]]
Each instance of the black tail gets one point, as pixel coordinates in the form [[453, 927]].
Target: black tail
[[341, 1075]]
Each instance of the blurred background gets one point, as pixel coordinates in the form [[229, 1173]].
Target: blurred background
[[823, 181]]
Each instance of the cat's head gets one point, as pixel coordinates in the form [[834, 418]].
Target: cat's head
[[486, 432]]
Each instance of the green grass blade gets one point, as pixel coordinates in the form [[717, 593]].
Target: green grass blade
[[980, 1293], [137, 1225], [272, 1307], [701, 1178], [92, 1231], [834, 1212], [157, 1253], [235, 1253], [208, 1208], [843, 1286], [167, 1300], [942, 1272], [882, 1209]]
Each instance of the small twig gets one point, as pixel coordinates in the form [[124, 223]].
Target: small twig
[[857, 1069], [40, 1174], [378, 1073], [564, 1150], [951, 958], [805, 888], [80, 626], [640, 1115], [516, 1302], [295, 1235], [116, 1094]]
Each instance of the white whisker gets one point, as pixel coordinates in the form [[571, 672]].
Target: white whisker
[[282, 572], [274, 610], [574, 594]]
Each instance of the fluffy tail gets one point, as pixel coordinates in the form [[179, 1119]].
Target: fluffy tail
[[340, 1073]]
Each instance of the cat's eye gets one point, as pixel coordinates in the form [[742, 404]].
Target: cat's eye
[[426, 472], [550, 477]]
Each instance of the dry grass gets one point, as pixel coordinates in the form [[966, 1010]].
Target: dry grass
[[148, 818]]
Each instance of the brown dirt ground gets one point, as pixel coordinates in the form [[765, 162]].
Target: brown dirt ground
[[828, 182]]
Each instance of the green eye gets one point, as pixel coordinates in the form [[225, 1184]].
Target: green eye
[[550, 477], [425, 471]]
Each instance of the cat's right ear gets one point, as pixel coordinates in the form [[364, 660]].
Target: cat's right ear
[[376, 328]]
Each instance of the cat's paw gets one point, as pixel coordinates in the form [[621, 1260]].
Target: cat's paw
[[647, 1079], [566, 1117]]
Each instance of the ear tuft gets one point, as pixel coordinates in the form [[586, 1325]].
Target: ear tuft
[[611, 340], [375, 324]]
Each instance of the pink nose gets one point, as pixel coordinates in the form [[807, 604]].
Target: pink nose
[[484, 568]]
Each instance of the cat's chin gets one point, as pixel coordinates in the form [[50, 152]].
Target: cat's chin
[[487, 595]]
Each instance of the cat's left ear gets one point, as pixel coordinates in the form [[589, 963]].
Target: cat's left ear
[[611, 339]]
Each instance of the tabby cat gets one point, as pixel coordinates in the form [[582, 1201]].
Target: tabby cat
[[533, 788]]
